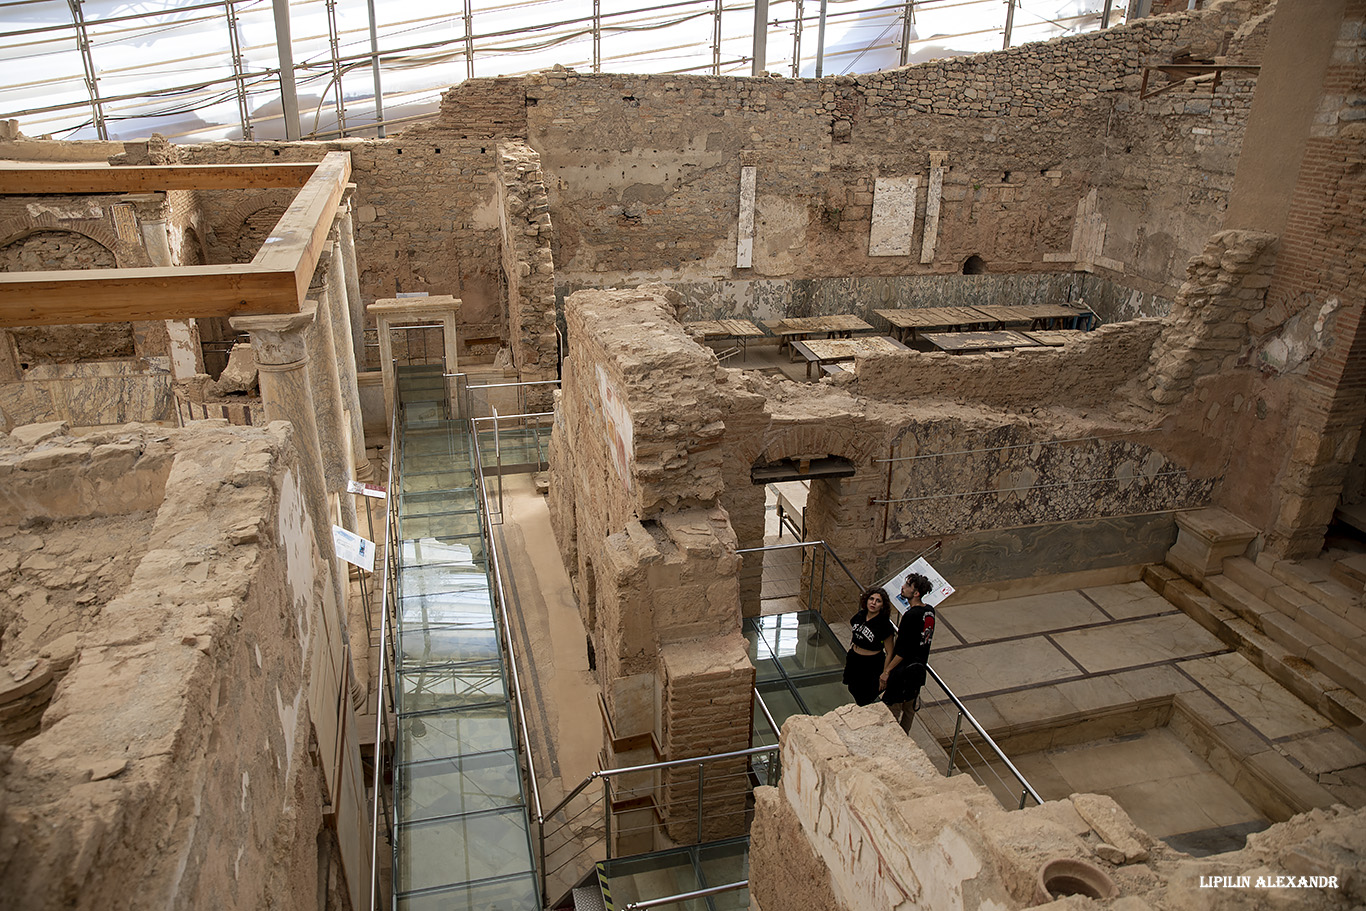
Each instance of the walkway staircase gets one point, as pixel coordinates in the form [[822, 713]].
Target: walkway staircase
[[1303, 623]]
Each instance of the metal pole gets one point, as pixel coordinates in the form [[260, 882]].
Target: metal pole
[[716, 39], [1010, 22], [88, 62], [760, 38], [469, 41], [907, 31], [953, 749], [607, 812], [374, 68], [1105, 23], [336, 65], [235, 46], [797, 42], [820, 40], [701, 769], [284, 49], [597, 38]]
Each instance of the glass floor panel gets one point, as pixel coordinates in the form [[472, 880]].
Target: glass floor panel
[[722, 864], [483, 729], [434, 646], [456, 525], [459, 785], [450, 688], [434, 578], [472, 607], [432, 503], [660, 875], [455, 481], [782, 704], [431, 552], [822, 694], [465, 848], [510, 893], [800, 642]]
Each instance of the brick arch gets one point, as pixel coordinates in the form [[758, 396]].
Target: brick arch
[[234, 225], [19, 227], [818, 436]]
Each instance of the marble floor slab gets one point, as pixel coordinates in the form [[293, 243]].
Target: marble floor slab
[[1138, 642], [1129, 600], [1253, 696], [978, 669], [1012, 617]]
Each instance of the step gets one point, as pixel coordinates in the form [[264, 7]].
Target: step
[[1249, 576], [1314, 578], [1351, 571], [1333, 663], [1238, 599]]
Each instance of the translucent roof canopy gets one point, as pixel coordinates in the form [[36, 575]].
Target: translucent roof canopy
[[197, 71]]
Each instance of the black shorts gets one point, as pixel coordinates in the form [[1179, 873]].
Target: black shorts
[[861, 675]]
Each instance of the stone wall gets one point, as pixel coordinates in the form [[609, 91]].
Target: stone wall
[[1052, 163], [636, 471], [863, 819], [223, 631], [528, 267]]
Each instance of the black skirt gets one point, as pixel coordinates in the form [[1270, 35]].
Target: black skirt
[[861, 675]]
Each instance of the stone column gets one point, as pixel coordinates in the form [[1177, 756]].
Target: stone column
[[187, 357], [334, 430], [347, 236], [282, 363], [339, 315]]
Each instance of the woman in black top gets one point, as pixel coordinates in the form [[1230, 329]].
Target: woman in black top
[[905, 671], [873, 632]]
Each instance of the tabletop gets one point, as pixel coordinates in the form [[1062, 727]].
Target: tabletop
[[966, 342], [838, 322], [734, 328], [932, 317]]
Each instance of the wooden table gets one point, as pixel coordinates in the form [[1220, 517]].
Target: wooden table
[[739, 329], [824, 351], [972, 342], [1036, 316], [905, 323], [839, 325], [1054, 338]]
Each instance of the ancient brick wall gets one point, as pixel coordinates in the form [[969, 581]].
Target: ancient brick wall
[[528, 267], [644, 171]]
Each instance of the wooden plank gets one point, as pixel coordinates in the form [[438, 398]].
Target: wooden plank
[[276, 281], [117, 295], [19, 180], [298, 238]]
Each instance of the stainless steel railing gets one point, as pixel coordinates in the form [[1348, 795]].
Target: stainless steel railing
[[378, 806]]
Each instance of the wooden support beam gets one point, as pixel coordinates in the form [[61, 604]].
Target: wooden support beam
[[50, 181], [276, 281]]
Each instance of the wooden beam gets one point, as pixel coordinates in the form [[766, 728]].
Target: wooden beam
[[116, 295], [296, 242], [276, 281], [50, 181]]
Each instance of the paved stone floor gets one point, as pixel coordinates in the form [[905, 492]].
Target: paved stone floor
[[1108, 689]]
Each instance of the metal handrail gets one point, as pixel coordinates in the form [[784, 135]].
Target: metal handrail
[[381, 716], [963, 710], [496, 569], [768, 716], [684, 896]]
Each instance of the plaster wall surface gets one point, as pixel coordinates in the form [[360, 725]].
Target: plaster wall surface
[[190, 747]]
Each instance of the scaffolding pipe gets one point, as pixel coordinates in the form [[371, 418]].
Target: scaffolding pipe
[[469, 40], [907, 31], [820, 39], [597, 36], [1010, 22], [88, 62], [289, 96], [332, 43], [797, 42], [716, 39], [235, 46], [760, 52], [374, 68]]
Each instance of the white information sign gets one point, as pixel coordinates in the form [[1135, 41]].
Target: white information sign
[[940, 588], [353, 548], [368, 490]]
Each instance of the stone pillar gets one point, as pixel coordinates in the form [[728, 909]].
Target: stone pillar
[[282, 357], [347, 236], [187, 357], [339, 317], [334, 430]]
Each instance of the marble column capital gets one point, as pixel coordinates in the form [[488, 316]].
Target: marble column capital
[[148, 206], [278, 339]]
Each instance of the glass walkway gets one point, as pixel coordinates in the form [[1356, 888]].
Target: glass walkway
[[461, 838]]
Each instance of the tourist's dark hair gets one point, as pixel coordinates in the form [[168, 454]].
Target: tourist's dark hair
[[863, 599], [919, 583]]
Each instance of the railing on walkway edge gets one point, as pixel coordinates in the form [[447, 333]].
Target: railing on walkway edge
[[495, 419], [379, 806], [684, 896], [959, 742]]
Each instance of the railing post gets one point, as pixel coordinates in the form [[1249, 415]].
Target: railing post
[[1024, 793], [953, 749], [607, 812], [701, 767]]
